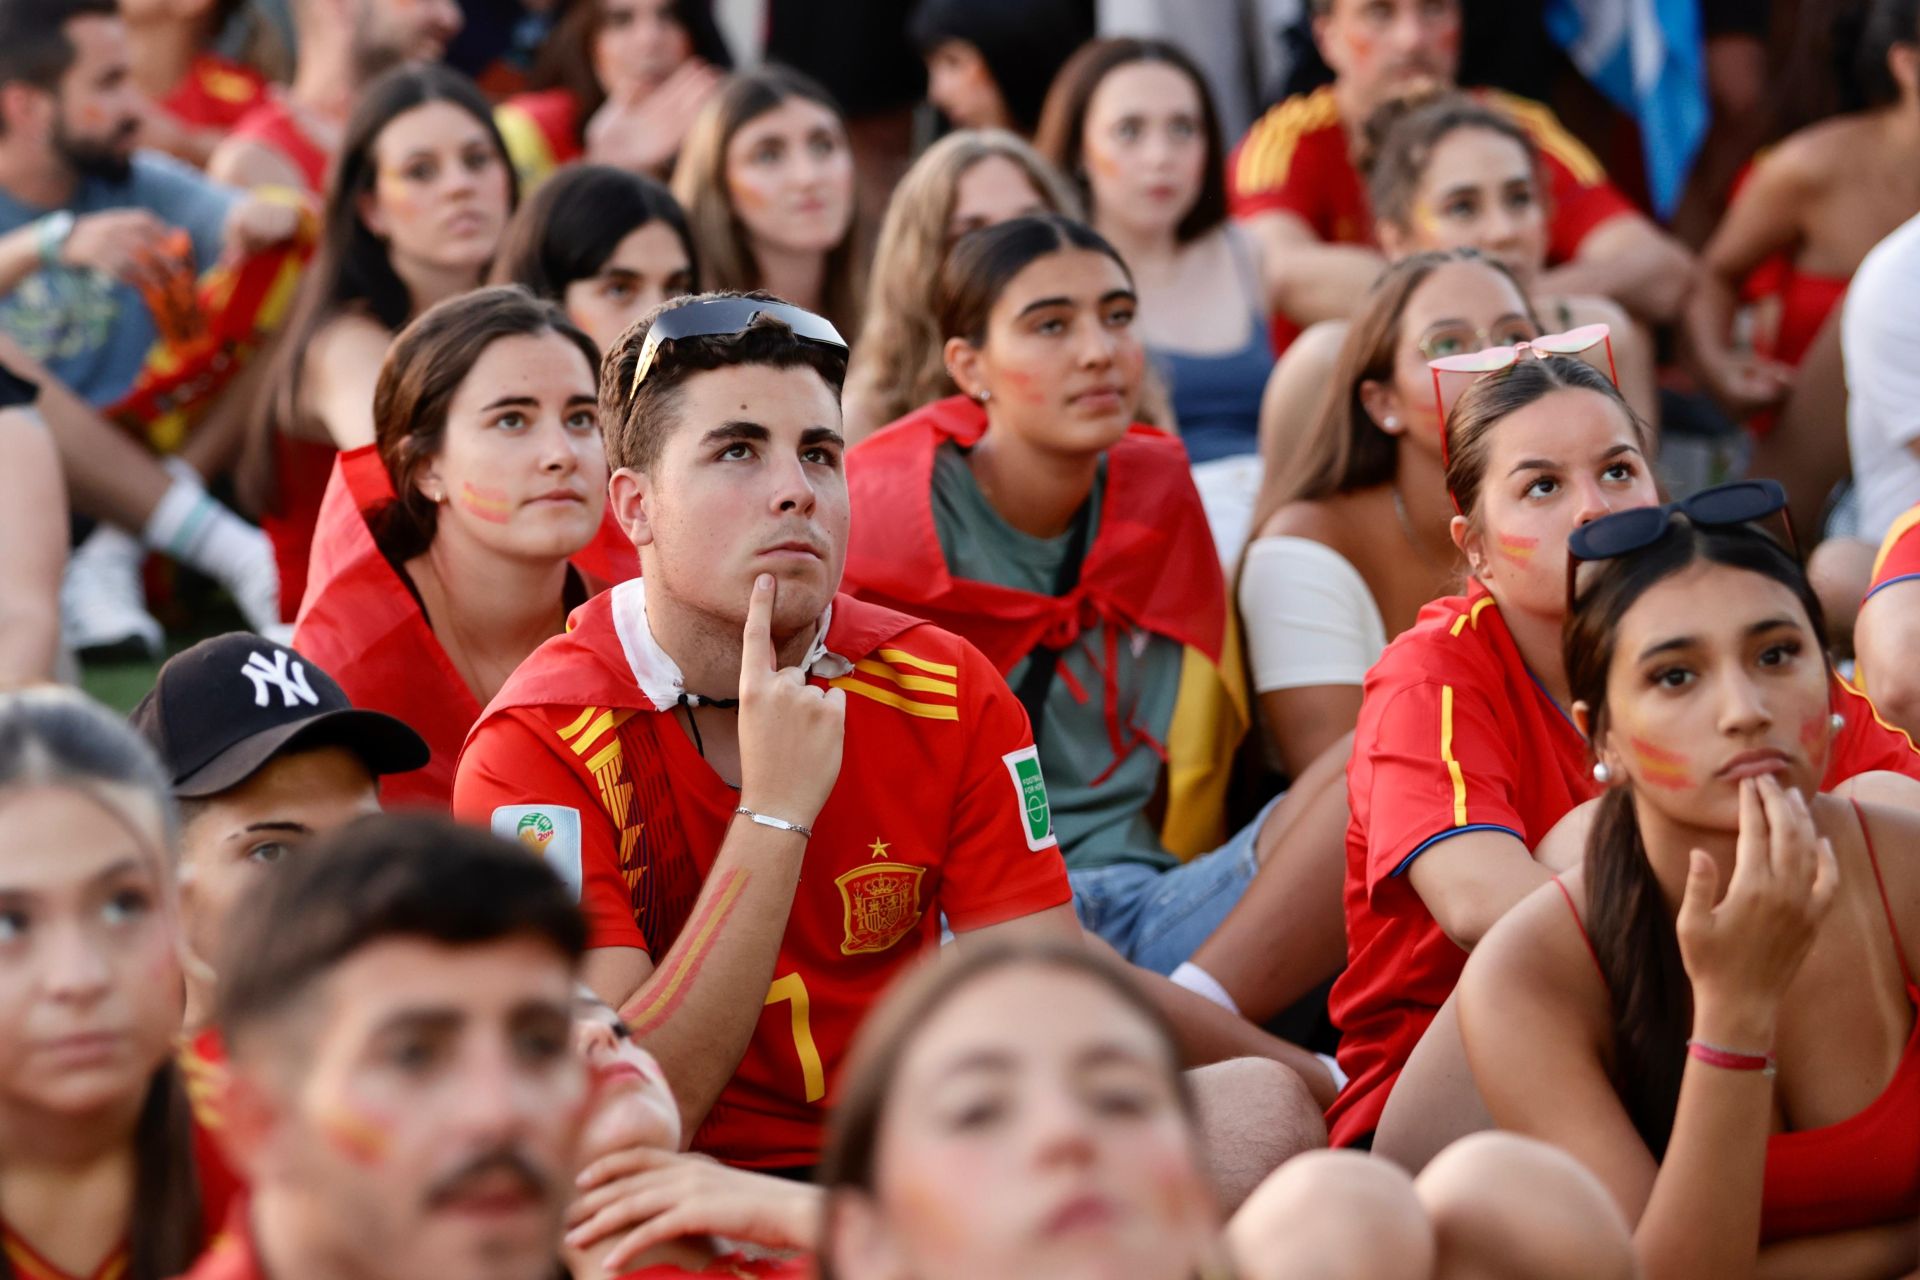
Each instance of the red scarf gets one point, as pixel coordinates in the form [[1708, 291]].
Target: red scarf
[[365, 629], [1152, 565]]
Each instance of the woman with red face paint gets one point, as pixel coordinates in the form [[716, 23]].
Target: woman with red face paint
[[1466, 756], [1133, 122], [418, 198], [451, 548], [105, 1172], [1716, 1012]]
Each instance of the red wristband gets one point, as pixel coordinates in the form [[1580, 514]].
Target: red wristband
[[1729, 1059]]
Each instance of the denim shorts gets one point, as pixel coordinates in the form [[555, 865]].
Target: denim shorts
[[1158, 917]]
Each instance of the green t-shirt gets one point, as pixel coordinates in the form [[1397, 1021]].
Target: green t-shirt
[[1095, 825]]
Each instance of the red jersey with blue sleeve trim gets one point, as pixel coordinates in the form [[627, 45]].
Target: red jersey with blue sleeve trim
[[1455, 736]]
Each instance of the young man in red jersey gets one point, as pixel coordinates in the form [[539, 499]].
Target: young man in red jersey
[[1293, 183], [768, 795]]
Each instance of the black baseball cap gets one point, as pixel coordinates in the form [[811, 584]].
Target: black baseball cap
[[220, 710]]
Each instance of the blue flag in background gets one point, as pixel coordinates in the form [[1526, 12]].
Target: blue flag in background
[[1646, 56]]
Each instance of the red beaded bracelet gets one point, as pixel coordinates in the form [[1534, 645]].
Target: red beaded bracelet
[[1730, 1059]]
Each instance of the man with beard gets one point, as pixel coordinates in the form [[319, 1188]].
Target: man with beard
[[344, 45], [100, 251], [405, 1098], [1294, 185]]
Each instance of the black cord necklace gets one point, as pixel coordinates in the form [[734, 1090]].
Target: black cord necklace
[[688, 702]]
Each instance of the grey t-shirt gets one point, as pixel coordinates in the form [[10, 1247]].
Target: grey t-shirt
[[1099, 824], [93, 332]]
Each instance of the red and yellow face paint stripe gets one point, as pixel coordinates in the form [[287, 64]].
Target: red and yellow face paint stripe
[[1660, 767]]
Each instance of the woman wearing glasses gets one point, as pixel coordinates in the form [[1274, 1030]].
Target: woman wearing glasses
[[1716, 1012], [1448, 172], [1352, 524], [1466, 754], [443, 553]]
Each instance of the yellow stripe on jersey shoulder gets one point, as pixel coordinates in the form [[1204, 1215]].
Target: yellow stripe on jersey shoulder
[[1896, 531], [1470, 617], [899, 702], [1551, 136], [1267, 155], [1446, 754], [923, 684], [901, 657]]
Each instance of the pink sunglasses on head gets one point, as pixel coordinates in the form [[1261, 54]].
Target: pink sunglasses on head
[[1471, 366]]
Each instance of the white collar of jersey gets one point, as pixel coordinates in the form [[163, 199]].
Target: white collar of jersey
[[658, 675]]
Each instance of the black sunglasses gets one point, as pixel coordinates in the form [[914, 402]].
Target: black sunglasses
[[711, 317], [1625, 532]]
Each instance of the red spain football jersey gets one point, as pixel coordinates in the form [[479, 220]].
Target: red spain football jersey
[[1296, 159], [1899, 556], [939, 809], [1455, 735]]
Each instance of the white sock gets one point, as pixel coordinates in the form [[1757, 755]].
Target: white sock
[[1201, 983], [190, 525]]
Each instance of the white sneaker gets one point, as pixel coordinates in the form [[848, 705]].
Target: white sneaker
[[102, 603]]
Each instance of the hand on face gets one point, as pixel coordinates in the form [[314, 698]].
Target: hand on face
[[791, 732], [1742, 949]]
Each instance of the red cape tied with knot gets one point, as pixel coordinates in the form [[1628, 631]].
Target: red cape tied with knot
[[1152, 567]]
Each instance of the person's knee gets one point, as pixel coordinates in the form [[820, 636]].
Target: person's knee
[[1333, 1215], [1255, 1114], [1504, 1206]]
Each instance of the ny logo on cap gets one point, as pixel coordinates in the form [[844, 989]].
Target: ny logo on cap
[[289, 678]]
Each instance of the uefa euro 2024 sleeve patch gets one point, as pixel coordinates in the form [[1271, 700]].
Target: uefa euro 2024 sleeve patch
[[550, 830], [1030, 793]]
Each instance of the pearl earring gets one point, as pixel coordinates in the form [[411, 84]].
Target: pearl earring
[[1601, 773], [1391, 423], [984, 396], [1837, 722]]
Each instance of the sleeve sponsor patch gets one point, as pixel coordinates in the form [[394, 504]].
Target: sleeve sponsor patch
[[1030, 794], [550, 830]]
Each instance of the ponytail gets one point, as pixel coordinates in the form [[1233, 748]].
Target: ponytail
[[1639, 954]]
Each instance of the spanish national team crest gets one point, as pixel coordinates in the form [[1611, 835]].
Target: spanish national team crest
[[883, 905]]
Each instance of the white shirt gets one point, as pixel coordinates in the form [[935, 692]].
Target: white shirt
[[658, 675], [1310, 618], [1880, 343]]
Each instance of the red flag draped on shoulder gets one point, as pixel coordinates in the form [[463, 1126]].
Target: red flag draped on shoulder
[[1152, 567], [364, 627]]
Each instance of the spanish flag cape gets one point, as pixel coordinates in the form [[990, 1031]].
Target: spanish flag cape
[[1152, 567], [363, 626], [542, 132], [209, 326]]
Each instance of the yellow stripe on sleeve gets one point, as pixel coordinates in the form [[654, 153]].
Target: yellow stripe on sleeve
[[902, 658], [925, 710], [1446, 753], [924, 684]]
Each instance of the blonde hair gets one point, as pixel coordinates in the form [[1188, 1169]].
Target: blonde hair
[[700, 184], [897, 364]]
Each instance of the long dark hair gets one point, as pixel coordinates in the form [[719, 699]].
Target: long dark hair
[[565, 60], [351, 267], [57, 737], [849, 1158], [700, 184], [1627, 916], [1063, 122], [983, 261], [422, 372], [571, 225]]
